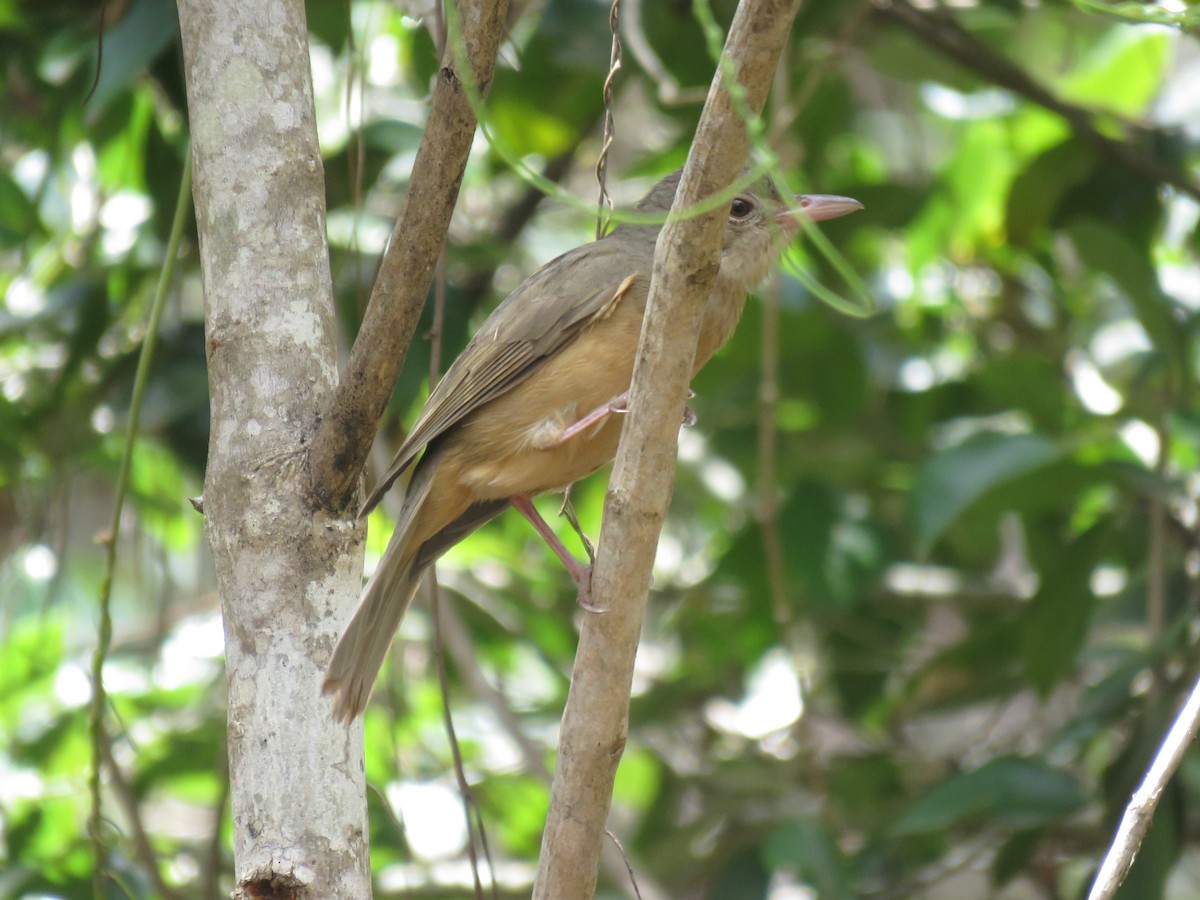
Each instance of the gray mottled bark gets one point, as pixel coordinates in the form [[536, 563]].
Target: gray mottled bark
[[287, 575]]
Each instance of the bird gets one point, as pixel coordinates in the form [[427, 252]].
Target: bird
[[533, 402]]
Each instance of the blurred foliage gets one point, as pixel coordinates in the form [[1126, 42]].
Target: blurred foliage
[[924, 605]]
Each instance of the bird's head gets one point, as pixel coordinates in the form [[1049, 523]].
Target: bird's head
[[762, 223]]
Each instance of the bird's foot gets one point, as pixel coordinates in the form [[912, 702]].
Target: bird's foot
[[618, 404], [584, 597], [580, 574]]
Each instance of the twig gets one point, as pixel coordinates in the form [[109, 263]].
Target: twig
[[1139, 813], [474, 824], [344, 434], [516, 217], [211, 886], [628, 864], [669, 91], [438, 30], [141, 839], [435, 599], [784, 114], [595, 722], [1156, 563], [99, 57], [356, 159], [462, 650], [439, 320]]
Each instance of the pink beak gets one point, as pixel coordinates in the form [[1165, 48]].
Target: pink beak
[[817, 208]]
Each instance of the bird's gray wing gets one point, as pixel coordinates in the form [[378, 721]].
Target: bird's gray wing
[[533, 323]]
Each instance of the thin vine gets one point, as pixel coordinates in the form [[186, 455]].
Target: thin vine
[[99, 702], [764, 163]]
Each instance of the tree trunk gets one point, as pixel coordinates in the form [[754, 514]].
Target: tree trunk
[[287, 574]]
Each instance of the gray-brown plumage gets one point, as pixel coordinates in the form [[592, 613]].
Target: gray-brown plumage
[[560, 346]]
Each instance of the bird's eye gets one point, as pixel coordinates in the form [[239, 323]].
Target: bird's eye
[[740, 208]]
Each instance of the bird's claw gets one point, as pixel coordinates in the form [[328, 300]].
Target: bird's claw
[[584, 597]]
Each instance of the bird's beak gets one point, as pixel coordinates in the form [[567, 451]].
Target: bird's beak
[[817, 208]]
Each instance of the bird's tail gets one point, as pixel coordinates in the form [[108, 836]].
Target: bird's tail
[[389, 593], [364, 645]]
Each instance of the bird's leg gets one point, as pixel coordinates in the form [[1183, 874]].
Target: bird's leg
[[618, 404], [581, 574]]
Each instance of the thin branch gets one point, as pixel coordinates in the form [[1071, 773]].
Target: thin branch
[[344, 434], [623, 871], [439, 322], [514, 219], [462, 651], [669, 91], [628, 863], [470, 805], [942, 32], [211, 882], [1140, 811], [99, 57], [785, 114], [142, 847], [356, 155], [474, 825], [595, 722], [1156, 561]]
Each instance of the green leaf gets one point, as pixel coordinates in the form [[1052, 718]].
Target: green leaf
[[1038, 191], [1014, 855], [1123, 72], [328, 22], [1011, 792], [808, 848], [558, 92], [955, 478], [830, 553], [1106, 250], [129, 49], [742, 878], [18, 216], [1057, 619]]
